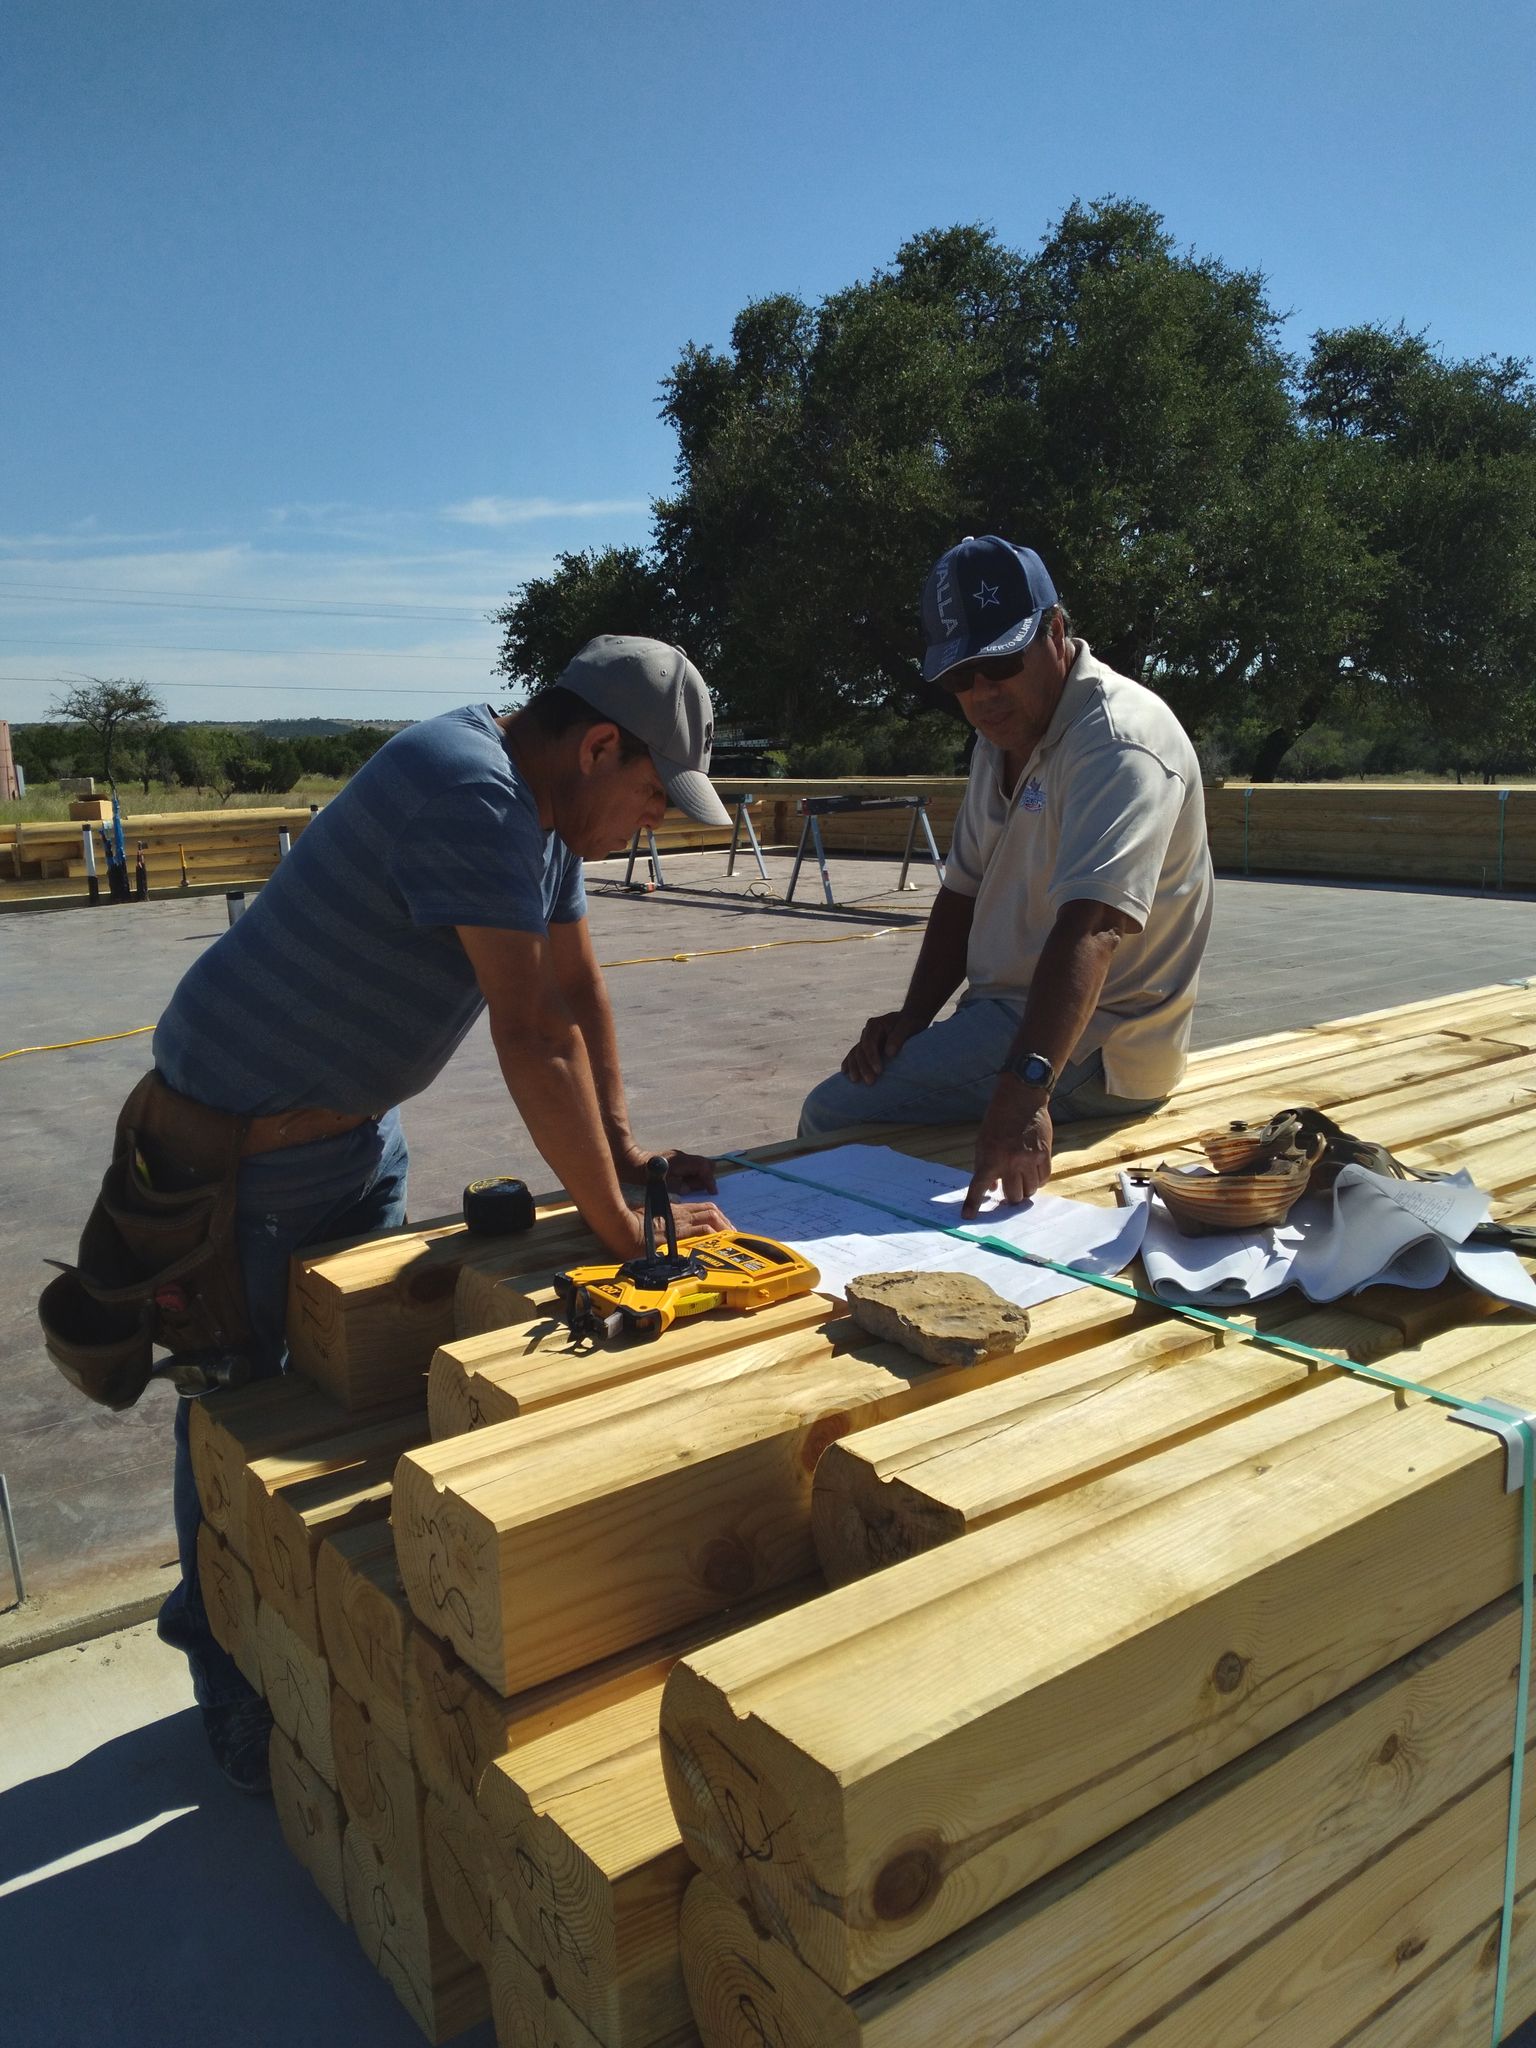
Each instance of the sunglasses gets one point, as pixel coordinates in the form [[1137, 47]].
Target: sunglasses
[[997, 668]]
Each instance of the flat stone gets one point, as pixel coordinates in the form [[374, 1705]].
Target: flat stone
[[947, 1318]]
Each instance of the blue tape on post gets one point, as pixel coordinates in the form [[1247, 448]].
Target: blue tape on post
[[1514, 1427]]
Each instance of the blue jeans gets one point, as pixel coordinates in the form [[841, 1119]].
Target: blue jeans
[[946, 1074], [349, 1186]]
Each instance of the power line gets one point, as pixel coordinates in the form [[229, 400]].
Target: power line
[[257, 653], [217, 600], [338, 608]]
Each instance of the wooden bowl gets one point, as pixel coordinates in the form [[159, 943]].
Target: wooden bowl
[[1237, 1147], [1200, 1203]]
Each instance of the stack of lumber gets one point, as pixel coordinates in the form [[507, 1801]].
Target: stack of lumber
[[297, 1566], [869, 832], [764, 1684], [1402, 832], [218, 847], [1430, 832], [678, 833]]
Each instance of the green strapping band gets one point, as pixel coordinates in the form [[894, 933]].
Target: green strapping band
[[1191, 1312]]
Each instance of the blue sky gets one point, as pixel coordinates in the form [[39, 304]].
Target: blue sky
[[327, 324]]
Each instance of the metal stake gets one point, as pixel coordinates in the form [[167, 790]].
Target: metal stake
[[10, 1540]]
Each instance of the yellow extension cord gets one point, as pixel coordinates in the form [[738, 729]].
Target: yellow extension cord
[[885, 931]]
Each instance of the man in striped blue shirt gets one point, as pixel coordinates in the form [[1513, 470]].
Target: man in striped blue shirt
[[444, 880]]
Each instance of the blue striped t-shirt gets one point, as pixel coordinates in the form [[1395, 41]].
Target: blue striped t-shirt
[[344, 986]]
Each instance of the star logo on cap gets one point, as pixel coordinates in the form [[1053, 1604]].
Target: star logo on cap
[[987, 595]]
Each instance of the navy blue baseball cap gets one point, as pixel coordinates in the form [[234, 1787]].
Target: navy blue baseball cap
[[984, 597]]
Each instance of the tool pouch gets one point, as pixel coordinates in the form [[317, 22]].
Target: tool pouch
[[158, 1261]]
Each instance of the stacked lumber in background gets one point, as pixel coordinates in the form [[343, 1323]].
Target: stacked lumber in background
[[764, 1684], [779, 820], [1484, 838], [228, 847], [1427, 832]]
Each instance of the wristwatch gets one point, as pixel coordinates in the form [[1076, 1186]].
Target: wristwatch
[[1033, 1069]]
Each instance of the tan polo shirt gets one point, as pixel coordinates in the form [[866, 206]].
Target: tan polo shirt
[[1109, 807]]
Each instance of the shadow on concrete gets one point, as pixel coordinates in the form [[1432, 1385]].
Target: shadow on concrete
[[911, 909], [202, 1929]]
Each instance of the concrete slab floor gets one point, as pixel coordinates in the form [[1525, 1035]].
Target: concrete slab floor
[[142, 1901], [718, 1052]]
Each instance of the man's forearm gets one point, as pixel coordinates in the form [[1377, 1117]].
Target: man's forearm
[[1067, 983], [589, 1005], [550, 1080], [940, 965]]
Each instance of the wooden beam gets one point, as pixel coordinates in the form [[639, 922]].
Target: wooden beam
[[458, 1871], [924, 1479], [229, 1431], [1323, 1973], [403, 1936], [1088, 1681], [309, 1812], [229, 1597], [1454, 2001], [530, 2013], [533, 1361], [590, 1868], [297, 1497], [459, 1726], [379, 1789], [363, 1319], [365, 1622], [1106, 1947], [540, 1545], [297, 1684]]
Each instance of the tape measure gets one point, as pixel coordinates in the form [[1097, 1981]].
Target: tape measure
[[498, 1207], [719, 1269], [643, 1297]]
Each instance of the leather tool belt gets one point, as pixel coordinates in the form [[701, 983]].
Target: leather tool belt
[[158, 1261]]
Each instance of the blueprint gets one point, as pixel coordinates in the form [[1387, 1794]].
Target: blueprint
[[837, 1212]]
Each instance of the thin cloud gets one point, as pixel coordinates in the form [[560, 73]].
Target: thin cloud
[[526, 511], [85, 533]]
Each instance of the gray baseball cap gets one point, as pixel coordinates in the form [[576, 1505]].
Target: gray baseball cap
[[655, 692]]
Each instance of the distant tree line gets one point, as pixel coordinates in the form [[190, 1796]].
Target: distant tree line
[[114, 728], [1342, 543]]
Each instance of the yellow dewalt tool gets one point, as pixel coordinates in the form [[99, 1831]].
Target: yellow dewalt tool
[[642, 1297]]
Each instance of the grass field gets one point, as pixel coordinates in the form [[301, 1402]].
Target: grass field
[[42, 806]]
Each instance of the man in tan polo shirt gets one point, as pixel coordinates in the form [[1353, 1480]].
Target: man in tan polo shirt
[[1076, 901]]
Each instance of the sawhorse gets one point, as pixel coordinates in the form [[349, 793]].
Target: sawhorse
[[815, 808], [744, 805], [657, 879]]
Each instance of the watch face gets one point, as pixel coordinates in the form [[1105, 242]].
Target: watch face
[[1034, 1069]]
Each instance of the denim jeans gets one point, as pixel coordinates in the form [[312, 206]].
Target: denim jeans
[[946, 1074], [341, 1187]]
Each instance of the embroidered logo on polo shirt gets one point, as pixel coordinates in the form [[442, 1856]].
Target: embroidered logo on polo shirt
[[1032, 795]]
